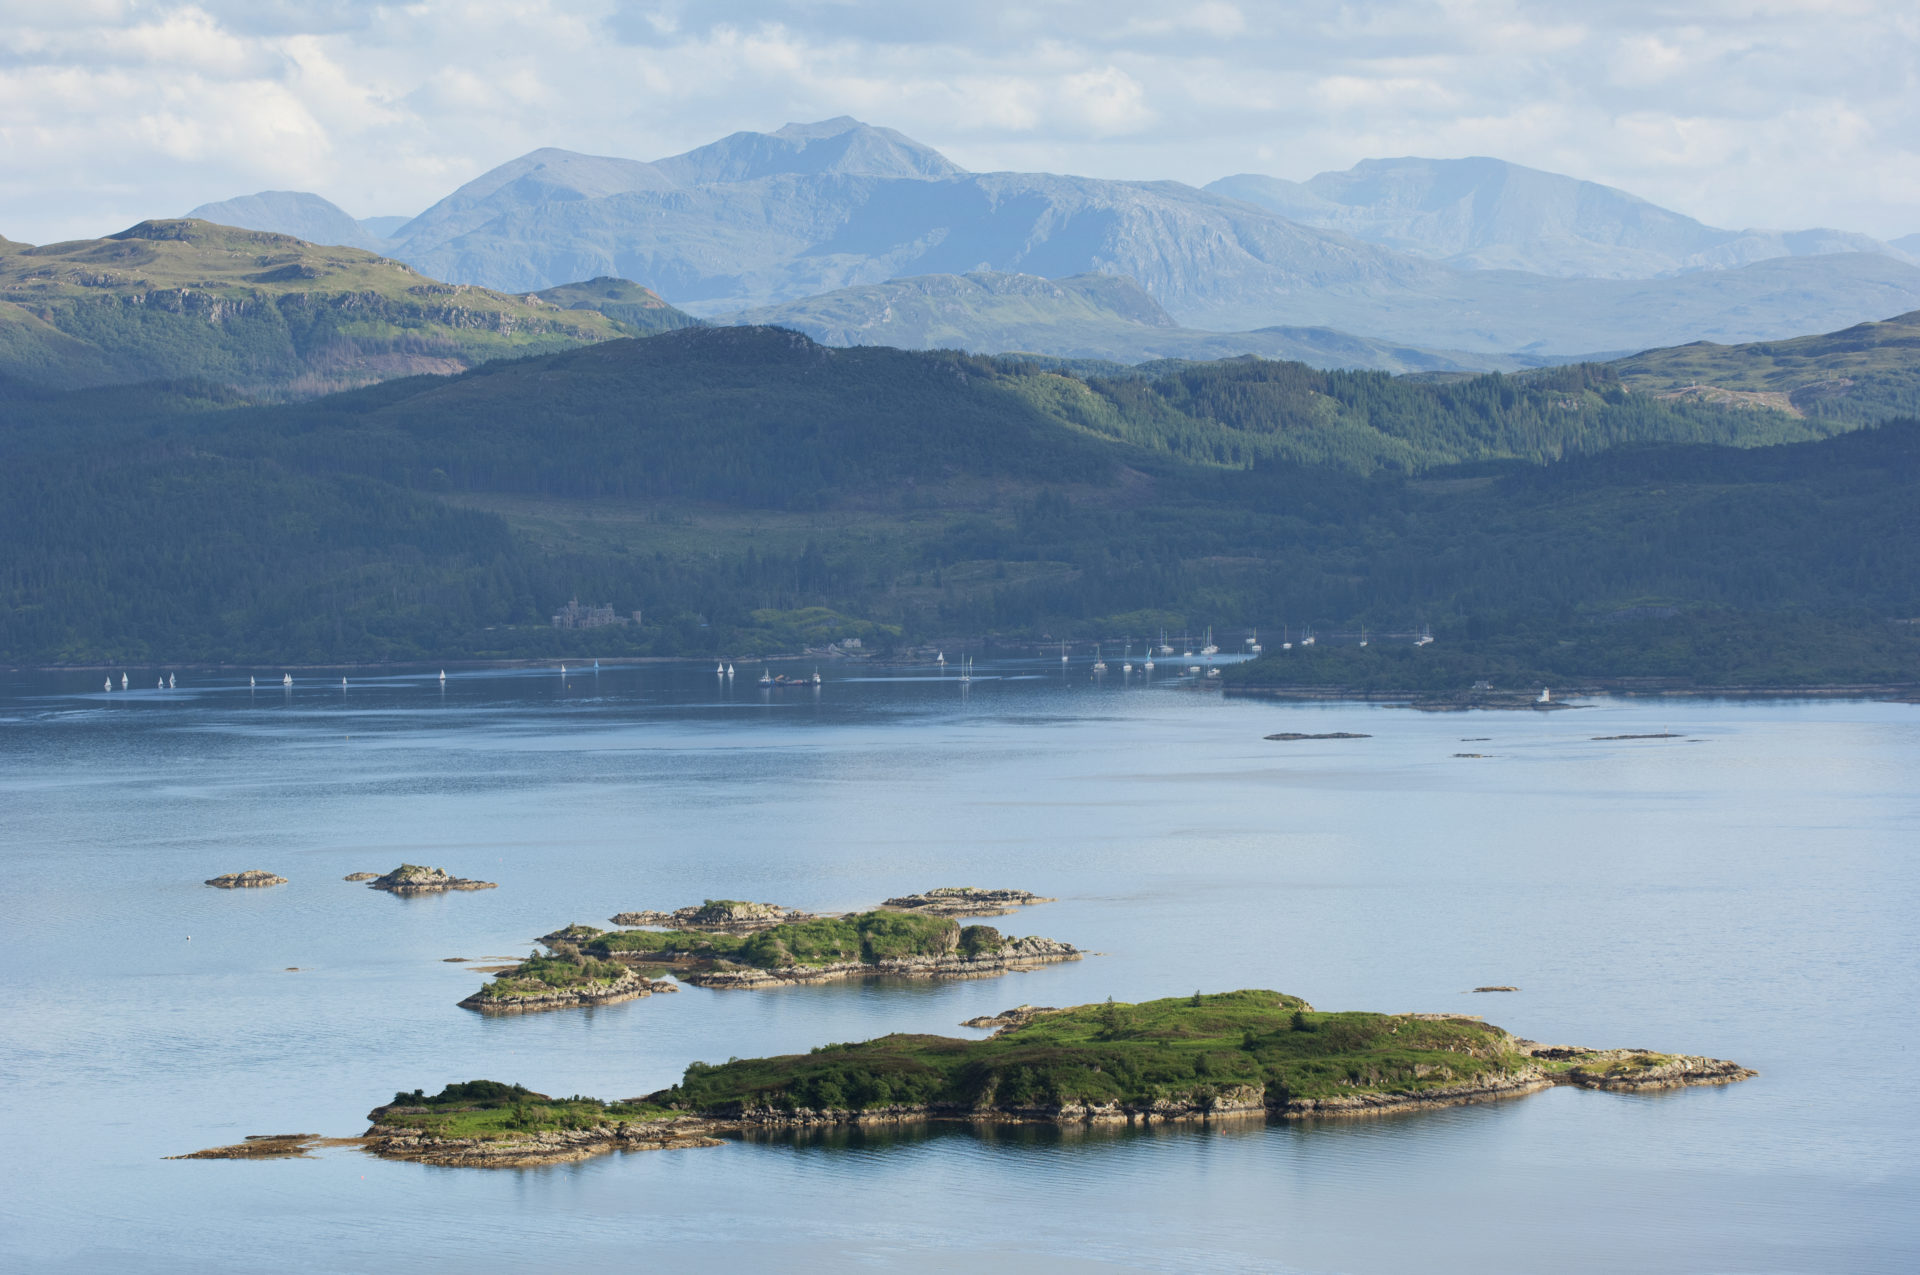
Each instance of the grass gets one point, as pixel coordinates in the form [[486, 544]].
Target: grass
[[1187, 1049], [867, 938], [488, 1109], [542, 975]]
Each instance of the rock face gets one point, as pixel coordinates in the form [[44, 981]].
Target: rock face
[[724, 916], [1013, 954], [411, 878], [631, 987], [1008, 1019], [965, 900], [251, 879]]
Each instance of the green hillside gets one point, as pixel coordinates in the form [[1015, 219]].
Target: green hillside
[[270, 314], [1861, 374], [749, 491]]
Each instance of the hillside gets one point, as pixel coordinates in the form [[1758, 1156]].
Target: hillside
[[264, 312], [293, 212], [1488, 214], [749, 491], [1864, 373], [1089, 316], [755, 221]]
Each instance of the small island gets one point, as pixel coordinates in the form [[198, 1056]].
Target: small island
[[251, 879], [360, 876], [587, 965], [723, 916], [411, 878], [1337, 734], [1204, 1058], [567, 979], [965, 900]]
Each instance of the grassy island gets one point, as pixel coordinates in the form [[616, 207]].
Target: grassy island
[[1198, 1058], [560, 980]]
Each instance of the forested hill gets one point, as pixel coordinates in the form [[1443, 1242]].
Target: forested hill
[[271, 314], [765, 418]]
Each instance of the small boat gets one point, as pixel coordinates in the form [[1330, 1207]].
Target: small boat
[[1253, 645], [719, 670], [1099, 665], [563, 670], [443, 675], [1209, 648], [1425, 638], [123, 681], [1363, 635], [1546, 696], [966, 668], [1126, 668], [160, 684], [251, 683], [729, 670], [816, 677], [1148, 666], [1193, 668], [287, 680], [1213, 672], [1063, 652], [170, 681], [109, 684], [1308, 639], [766, 677], [940, 658], [343, 683]]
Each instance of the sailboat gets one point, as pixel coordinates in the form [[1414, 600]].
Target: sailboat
[[729, 670], [1099, 665], [251, 682], [816, 677], [287, 680], [940, 658], [1308, 639], [1363, 635], [123, 681], [1164, 648], [1253, 644], [1209, 648], [1148, 665], [1063, 652], [1425, 638], [966, 668], [720, 670], [766, 676], [443, 676], [109, 685]]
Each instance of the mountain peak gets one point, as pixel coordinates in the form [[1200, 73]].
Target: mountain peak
[[842, 145], [299, 213]]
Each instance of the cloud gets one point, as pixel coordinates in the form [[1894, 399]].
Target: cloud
[[1741, 112]]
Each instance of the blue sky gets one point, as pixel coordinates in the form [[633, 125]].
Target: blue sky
[[1761, 113]]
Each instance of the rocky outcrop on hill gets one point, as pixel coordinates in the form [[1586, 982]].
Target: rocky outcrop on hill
[[1012, 954], [965, 900], [252, 878], [411, 878], [723, 916], [1008, 1019]]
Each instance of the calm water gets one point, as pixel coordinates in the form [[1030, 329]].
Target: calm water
[[1748, 891]]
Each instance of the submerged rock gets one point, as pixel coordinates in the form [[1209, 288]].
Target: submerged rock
[[251, 879], [411, 878], [360, 876]]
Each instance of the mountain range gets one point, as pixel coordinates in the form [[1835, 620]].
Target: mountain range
[[1473, 255]]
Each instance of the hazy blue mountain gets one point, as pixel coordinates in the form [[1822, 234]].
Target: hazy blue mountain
[[1909, 244], [842, 145], [1088, 316], [757, 221], [382, 227], [291, 212], [1487, 214]]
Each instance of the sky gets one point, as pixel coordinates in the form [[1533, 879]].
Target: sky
[[1775, 113]]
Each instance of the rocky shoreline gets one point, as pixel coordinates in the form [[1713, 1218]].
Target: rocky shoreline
[[633, 986], [1014, 954], [251, 879], [412, 878], [965, 900]]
